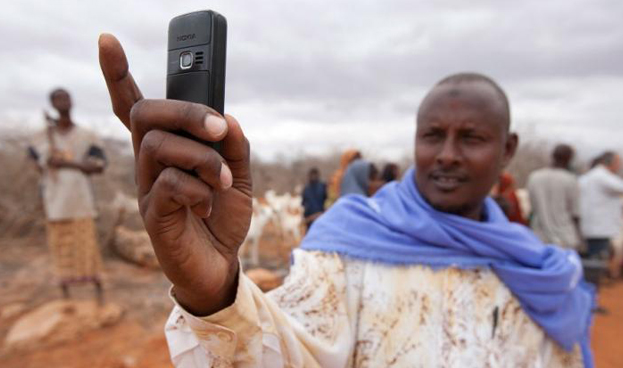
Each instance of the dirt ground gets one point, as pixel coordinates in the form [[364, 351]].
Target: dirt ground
[[138, 340], [608, 328]]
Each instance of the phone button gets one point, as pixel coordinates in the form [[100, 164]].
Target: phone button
[[186, 60]]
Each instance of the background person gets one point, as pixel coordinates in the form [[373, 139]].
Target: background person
[[390, 172], [600, 205], [360, 178], [314, 197], [67, 155], [555, 201]]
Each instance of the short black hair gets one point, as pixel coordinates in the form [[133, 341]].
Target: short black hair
[[389, 172], [470, 77], [562, 153], [56, 91]]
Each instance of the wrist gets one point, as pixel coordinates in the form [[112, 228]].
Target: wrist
[[204, 303]]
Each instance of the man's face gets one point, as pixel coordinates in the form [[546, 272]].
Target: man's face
[[615, 166], [314, 176], [462, 144], [61, 101]]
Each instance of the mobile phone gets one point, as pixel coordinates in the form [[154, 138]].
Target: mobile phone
[[197, 47]]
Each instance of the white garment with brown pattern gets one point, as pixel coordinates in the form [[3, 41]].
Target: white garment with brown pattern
[[337, 312]]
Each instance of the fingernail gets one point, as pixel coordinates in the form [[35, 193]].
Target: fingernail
[[208, 212], [215, 125], [226, 177]]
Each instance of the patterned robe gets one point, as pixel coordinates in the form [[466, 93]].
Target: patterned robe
[[338, 312]]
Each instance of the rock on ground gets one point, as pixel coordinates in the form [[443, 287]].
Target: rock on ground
[[265, 279], [12, 310], [135, 246], [60, 320]]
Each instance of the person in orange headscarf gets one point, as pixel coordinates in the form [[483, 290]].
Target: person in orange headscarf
[[504, 194], [336, 180]]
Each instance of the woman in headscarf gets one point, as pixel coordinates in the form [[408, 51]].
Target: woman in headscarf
[[360, 178]]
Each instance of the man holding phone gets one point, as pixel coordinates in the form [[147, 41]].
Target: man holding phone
[[427, 272]]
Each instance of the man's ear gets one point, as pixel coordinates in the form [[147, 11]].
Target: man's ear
[[512, 141]]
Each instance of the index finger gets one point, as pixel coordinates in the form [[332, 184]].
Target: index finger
[[124, 92]]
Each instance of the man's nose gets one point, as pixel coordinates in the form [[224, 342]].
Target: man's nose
[[450, 154]]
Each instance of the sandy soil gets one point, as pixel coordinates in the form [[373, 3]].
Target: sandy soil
[[608, 328], [137, 341]]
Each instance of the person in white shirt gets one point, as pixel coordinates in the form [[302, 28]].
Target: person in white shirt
[[67, 155], [427, 272], [601, 208], [555, 201]]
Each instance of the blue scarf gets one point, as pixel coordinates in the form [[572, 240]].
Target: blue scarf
[[397, 226]]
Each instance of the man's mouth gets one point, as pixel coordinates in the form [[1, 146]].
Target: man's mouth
[[448, 182]]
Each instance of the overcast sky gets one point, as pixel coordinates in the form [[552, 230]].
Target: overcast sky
[[314, 76]]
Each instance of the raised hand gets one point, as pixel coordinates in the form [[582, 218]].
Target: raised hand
[[195, 202]]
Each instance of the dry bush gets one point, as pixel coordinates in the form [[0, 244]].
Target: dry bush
[[21, 211], [531, 155], [285, 175]]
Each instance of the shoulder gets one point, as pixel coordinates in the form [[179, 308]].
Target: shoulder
[[570, 177], [562, 175], [598, 177], [535, 175], [83, 131], [535, 181], [588, 176], [88, 135], [542, 174]]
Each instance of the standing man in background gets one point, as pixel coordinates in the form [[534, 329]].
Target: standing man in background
[[66, 155], [314, 197], [600, 205], [554, 198]]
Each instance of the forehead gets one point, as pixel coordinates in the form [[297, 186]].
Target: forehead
[[476, 104]]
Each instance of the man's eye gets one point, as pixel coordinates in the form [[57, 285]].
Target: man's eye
[[432, 135], [474, 138]]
